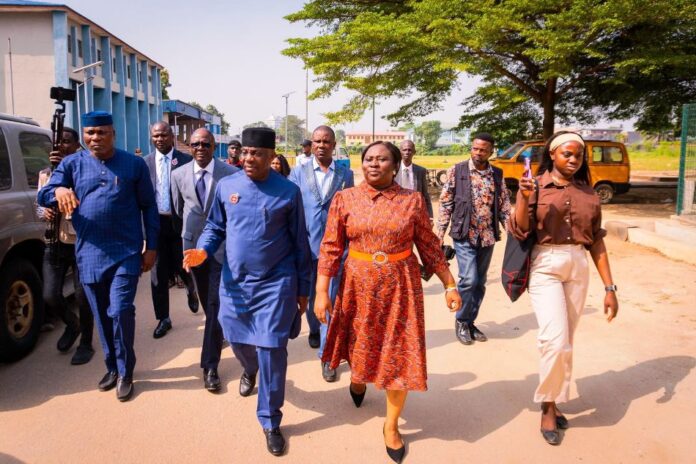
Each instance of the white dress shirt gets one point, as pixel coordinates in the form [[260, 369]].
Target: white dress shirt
[[208, 177], [302, 159], [158, 168], [323, 179], [406, 177]]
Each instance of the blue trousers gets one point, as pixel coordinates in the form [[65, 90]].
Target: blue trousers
[[312, 321], [272, 366], [111, 301], [473, 263]]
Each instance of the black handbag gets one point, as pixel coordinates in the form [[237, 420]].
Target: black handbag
[[449, 254], [517, 261]]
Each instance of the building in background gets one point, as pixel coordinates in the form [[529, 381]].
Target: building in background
[[274, 122], [49, 41], [362, 139], [185, 119]]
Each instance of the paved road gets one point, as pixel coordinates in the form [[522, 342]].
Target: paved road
[[633, 400]]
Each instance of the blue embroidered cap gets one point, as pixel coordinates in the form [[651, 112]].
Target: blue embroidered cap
[[97, 118]]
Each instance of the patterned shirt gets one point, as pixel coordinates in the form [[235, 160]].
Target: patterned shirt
[[481, 226]]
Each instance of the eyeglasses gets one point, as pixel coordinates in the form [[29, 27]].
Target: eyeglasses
[[201, 144]]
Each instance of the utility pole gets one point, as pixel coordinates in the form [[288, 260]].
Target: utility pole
[[286, 97], [373, 119], [306, 110]]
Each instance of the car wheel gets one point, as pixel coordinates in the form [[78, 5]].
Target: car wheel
[[605, 192], [21, 309]]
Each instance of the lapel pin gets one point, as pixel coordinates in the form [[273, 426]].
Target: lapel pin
[[175, 162], [234, 198]]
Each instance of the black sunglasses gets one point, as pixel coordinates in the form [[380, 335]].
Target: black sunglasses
[[201, 144]]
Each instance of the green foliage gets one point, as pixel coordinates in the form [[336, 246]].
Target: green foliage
[[164, 84], [224, 125], [296, 131], [541, 61], [256, 124], [428, 132], [340, 137]]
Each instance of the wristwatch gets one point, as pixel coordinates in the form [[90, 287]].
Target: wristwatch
[[610, 288]]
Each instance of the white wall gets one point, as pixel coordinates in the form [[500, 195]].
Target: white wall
[[32, 63]]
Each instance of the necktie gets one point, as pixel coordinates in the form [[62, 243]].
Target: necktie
[[200, 189], [407, 175], [164, 185]]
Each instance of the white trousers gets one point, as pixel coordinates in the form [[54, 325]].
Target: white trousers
[[558, 289]]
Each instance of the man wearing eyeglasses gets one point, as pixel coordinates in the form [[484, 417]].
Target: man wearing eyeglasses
[[162, 162]]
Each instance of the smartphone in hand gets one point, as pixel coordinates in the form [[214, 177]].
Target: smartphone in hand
[[528, 167]]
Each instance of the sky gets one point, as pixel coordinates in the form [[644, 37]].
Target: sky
[[228, 53]]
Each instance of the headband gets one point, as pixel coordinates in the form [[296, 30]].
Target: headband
[[563, 138]]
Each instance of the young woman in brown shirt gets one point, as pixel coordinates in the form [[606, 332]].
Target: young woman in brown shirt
[[567, 222]]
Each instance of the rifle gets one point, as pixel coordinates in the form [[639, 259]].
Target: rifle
[[60, 95]]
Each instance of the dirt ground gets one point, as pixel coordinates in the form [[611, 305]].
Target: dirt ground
[[633, 400]]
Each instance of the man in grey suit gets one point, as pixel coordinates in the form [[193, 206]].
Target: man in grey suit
[[412, 176], [192, 191], [164, 161]]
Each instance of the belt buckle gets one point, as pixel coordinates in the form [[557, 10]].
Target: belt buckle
[[380, 257]]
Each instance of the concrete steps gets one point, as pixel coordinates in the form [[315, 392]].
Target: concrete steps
[[670, 237]]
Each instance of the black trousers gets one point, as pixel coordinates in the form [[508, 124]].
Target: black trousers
[[168, 264], [207, 277], [56, 263]]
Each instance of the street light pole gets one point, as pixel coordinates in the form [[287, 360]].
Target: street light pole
[[286, 97], [86, 77]]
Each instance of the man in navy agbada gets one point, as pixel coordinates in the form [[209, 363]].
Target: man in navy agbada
[[265, 274], [109, 194], [319, 180]]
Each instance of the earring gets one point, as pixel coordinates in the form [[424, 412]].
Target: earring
[[394, 172]]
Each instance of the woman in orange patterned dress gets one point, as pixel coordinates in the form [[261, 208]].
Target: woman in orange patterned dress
[[377, 323]]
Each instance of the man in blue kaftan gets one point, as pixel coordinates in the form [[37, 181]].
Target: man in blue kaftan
[[109, 194], [266, 272]]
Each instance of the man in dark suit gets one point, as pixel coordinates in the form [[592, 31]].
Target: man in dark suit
[[319, 179], [162, 162], [412, 176], [193, 189]]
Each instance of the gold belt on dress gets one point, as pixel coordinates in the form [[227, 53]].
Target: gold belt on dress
[[379, 257]]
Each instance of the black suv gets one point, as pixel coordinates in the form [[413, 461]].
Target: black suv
[[24, 150]]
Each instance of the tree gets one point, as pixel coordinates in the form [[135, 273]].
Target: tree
[[340, 137], [428, 132], [559, 60], [256, 124], [164, 84], [295, 131], [224, 125]]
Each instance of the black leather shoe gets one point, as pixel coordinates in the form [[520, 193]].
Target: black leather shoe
[[164, 326], [275, 442], [124, 388], [461, 330], [82, 355], [476, 334], [246, 384], [314, 339], [192, 300], [561, 422], [66, 341], [108, 381], [357, 397], [396, 454], [211, 380], [328, 373], [552, 437]]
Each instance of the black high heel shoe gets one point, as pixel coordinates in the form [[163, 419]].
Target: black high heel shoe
[[357, 397], [396, 454]]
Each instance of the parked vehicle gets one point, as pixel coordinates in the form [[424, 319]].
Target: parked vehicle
[[609, 164], [24, 150]]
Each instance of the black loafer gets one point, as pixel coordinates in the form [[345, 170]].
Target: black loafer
[[562, 422], [124, 388], [275, 442], [357, 397], [476, 334], [83, 354], [246, 384], [211, 380], [66, 341], [192, 300], [461, 330], [108, 381], [328, 373], [164, 326], [314, 339], [552, 437]]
